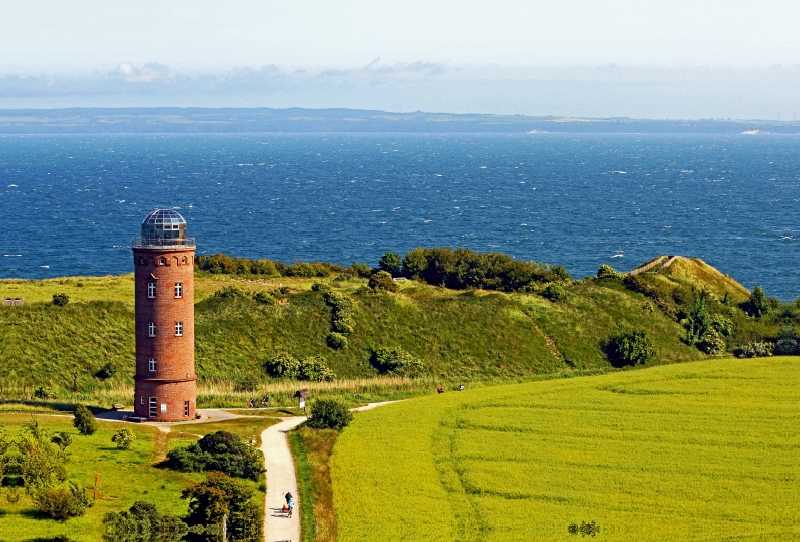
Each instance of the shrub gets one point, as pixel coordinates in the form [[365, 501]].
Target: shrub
[[629, 347], [335, 340], [698, 322], [60, 300], [62, 439], [230, 292], [342, 324], [382, 282], [360, 270], [712, 342], [123, 437], [106, 371], [42, 392], [287, 366], [320, 287], [61, 504], [222, 452], [554, 292], [263, 298], [397, 361], [392, 263], [84, 421], [329, 414], [755, 349], [787, 344], [282, 365], [315, 369], [608, 272]]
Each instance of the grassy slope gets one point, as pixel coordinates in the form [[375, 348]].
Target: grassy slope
[[700, 451], [460, 335]]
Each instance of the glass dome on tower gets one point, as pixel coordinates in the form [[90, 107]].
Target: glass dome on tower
[[164, 227]]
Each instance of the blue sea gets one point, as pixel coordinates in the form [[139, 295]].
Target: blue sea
[[71, 204]]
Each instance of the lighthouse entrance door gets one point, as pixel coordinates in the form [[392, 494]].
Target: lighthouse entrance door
[[153, 407]]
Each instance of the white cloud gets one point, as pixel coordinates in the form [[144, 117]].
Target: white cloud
[[148, 73]]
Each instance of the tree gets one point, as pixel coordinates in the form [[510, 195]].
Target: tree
[[629, 347], [554, 292], [392, 263], [62, 439], [218, 496], [60, 503], [698, 322], [329, 414], [84, 421], [757, 304], [607, 272], [124, 437]]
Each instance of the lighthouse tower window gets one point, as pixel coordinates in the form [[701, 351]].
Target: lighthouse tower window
[[151, 329], [178, 290], [152, 364], [179, 329], [151, 290]]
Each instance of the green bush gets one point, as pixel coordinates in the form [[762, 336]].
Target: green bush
[[60, 300], [755, 349], [84, 421], [787, 343], [712, 343], [461, 269], [329, 414], [42, 392], [554, 292], [397, 361], [629, 347], [123, 437], [221, 452], [285, 365], [62, 439], [608, 272], [264, 298], [230, 292], [315, 369], [282, 365], [392, 263], [382, 282], [360, 270], [320, 287], [106, 371], [341, 323], [337, 341], [60, 503]]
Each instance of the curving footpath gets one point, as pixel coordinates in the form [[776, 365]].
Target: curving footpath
[[281, 478]]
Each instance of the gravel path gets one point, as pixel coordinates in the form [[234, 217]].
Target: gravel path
[[280, 479]]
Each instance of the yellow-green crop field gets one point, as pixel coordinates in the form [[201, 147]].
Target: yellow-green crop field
[[706, 450]]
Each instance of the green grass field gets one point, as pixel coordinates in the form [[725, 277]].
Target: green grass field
[[697, 451], [125, 475]]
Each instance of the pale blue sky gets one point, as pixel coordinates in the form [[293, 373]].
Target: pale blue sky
[[669, 54]]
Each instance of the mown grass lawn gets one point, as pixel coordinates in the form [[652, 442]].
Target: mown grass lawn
[[697, 451], [125, 475]]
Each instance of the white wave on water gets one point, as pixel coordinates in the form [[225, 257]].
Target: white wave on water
[[618, 256], [620, 172], [13, 255], [13, 186], [45, 266]]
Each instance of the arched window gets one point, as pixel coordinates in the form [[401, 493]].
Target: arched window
[[163, 261]]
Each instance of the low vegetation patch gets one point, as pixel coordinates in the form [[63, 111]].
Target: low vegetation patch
[[329, 414], [220, 451]]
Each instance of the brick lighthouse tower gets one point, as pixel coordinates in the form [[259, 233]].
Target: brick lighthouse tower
[[164, 274]]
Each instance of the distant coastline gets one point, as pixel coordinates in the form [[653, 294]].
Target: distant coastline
[[178, 120]]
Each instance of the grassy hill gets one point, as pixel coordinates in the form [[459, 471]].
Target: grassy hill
[[696, 451], [459, 334]]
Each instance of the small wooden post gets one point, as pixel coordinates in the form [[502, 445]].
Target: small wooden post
[[97, 487], [225, 528]]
